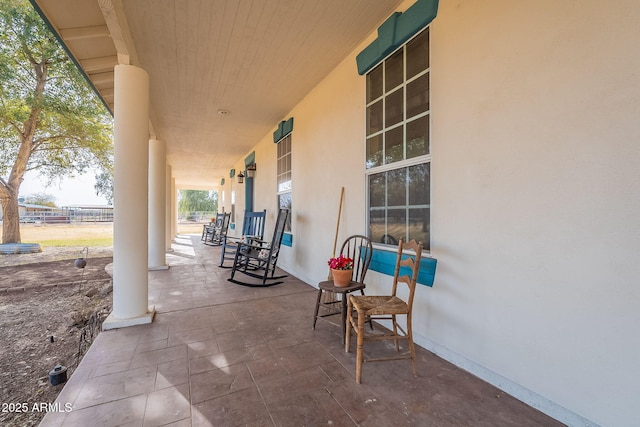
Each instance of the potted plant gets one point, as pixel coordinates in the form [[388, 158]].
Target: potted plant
[[341, 270]]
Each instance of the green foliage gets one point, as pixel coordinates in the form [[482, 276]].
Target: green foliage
[[40, 85], [50, 119], [197, 201], [42, 199], [104, 182]]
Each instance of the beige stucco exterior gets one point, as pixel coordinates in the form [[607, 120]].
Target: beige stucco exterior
[[534, 198], [534, 182]]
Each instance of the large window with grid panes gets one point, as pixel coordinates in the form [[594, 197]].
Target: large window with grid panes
[[284, 176], [398, 156]]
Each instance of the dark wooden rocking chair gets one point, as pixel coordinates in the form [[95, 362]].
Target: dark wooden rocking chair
[[213, 234], [206, 228], [258, 258], [252, 228]]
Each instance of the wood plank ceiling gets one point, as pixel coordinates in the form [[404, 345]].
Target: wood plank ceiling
[[256, 59]]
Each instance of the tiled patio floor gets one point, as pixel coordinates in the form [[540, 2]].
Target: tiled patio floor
[[219, 354]]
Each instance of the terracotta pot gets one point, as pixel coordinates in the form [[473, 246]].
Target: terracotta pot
[[341, 278]]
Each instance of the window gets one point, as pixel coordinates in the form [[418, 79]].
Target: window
[[398, 157], [284, 176]]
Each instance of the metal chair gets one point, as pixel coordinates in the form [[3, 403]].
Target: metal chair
[[360, 250], [386, 307], [258, 258], [252, 228]]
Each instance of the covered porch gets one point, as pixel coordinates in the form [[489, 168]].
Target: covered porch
[[501, 134], [222, 354]]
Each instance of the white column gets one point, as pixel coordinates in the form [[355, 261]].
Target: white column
[[157, 204], [130, 233], [168, 226], [174, 208]]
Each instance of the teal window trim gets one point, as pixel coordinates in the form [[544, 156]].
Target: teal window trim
[[395, 31], [285, 127], [385, 262]]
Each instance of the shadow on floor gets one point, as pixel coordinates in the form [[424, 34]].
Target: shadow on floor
[[219, 354]]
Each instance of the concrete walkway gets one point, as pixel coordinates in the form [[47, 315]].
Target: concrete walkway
[[219, 354]]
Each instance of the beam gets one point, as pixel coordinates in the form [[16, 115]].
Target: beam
[[102, 78], [119, 30], [84, 32], [96, 65]]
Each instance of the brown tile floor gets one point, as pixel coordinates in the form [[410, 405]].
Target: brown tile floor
[[219, 354]]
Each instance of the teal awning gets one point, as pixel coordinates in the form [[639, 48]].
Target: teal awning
[[285, 127], [396, 30]]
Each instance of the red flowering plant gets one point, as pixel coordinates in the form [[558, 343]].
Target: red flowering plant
[[341, 263]]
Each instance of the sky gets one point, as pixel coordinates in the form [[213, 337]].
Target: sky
[[69, 192]]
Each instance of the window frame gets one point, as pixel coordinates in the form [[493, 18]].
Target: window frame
[[426, 159], [279, 192]]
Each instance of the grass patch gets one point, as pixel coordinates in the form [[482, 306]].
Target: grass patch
[[73, 235], [89, 242]]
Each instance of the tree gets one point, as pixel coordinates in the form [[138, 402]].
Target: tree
[[104, 183], [197, 201], [42, 199], [50, 119]]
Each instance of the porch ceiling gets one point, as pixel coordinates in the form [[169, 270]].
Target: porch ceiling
[[256, 59]]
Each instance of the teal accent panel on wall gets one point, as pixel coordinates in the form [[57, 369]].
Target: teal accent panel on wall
[[287, 239], [251, 158], [277, 135], [385, 262], [395, 31], [387, 33], [285, 127]]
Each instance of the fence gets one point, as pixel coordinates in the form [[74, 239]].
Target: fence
[[67, 215], [196, 217], [71, 215]]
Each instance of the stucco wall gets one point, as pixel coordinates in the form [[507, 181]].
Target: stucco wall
[[327, 152], [535, 207], [535, 201]]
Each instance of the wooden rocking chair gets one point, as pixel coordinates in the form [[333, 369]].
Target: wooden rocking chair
[[252, 228], [213, 234], [258, 258]]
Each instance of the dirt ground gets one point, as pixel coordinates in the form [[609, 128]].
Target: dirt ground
[[45, 313], [46, 319]]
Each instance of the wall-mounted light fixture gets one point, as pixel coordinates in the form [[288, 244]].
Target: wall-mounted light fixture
[[240, 178], [251, 170]]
